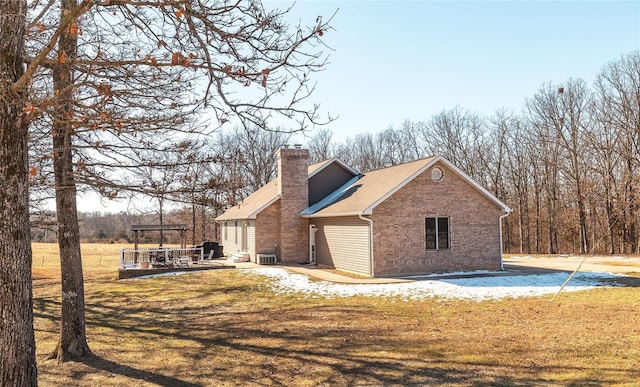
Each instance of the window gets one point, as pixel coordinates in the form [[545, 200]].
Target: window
[[226, 228], [436, 233]]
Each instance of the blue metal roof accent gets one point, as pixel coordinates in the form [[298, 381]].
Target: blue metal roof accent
[[331, 198]]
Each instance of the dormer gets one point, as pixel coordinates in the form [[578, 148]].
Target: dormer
[[326, 177]]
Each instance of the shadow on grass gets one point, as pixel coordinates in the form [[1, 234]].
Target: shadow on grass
[[102, 364], [340, 350], [629, 282], [287, 343]]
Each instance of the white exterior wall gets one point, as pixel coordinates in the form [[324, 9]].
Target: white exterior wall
[[251, 239], [233, 233]]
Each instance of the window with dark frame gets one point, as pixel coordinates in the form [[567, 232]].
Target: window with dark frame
[[436, 233]]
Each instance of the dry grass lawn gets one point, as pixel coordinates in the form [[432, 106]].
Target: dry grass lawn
[[224, 327]]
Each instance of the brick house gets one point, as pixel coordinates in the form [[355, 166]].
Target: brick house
[[420, 217]]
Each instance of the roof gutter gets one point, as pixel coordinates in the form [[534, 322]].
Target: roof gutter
[[370, 221], [334, 214], [500, 226]]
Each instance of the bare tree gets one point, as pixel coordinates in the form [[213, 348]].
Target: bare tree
[[413, 146], [367, 151], [107, 74], [571, 126], [345, 152], [320, 146], [518, 168], [493, 152], [618, 109], [457, 135], [73, 338], [392, 147], [159, 176], [257, 154], [602, 142], [196, 183], [542, 114], [17, 358]]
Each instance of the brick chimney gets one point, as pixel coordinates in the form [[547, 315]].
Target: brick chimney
[[293, 188]]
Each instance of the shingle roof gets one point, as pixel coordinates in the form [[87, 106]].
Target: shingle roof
[[362, 196], [370, 189], [253, 204], [359, 196]]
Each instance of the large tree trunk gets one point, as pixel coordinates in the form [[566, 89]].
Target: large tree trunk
[[17, 343], [73, 338], [72, 343]]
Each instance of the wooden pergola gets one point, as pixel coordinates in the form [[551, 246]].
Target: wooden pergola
[[182, 228]]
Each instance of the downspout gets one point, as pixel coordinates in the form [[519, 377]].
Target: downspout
[[373, 274], [500, 224]]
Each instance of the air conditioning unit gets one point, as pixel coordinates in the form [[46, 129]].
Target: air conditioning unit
[[267, 259]]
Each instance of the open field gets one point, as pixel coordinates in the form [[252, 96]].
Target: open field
[[225, 327]]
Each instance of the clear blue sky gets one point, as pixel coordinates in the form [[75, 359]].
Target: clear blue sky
[[396, 60]]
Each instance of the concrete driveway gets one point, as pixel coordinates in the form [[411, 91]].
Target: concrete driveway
[[546, 264]]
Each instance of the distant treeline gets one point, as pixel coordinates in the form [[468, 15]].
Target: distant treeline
[[98, 227]]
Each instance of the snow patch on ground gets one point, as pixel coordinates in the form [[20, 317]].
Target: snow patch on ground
[[455, 273], [476, 289]]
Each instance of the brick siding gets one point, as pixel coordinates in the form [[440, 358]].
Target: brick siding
[[399, 228], [293, 187]]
